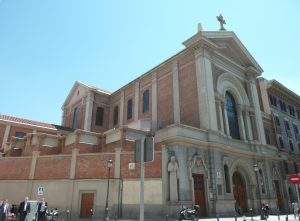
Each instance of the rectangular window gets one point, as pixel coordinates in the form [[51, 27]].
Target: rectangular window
[[296, 131], [267, 133], [287, 125], [99, 116], [286, 167], [299, 147], [75, 118], [282, 105], [291, 145], [116, 115], [146, 101], [273, 100], [277, 121], [129, 109], [281, 145], [298, 114], [20, 134], [292, 110]]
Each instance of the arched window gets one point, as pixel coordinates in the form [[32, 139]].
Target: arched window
[[227, 179], [232, 116]]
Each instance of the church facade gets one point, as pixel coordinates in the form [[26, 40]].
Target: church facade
[[215, 142]]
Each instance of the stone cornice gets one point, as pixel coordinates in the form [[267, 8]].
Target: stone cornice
[[190, 136]]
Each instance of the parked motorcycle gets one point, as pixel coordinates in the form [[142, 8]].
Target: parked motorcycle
[[52, 215], [188, 213]]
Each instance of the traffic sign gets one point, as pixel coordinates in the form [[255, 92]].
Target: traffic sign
[[294, 178]]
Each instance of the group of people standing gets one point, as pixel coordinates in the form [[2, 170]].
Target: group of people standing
[[8, 212]]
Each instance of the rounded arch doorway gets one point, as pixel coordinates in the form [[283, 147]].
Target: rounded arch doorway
[[239, 191]]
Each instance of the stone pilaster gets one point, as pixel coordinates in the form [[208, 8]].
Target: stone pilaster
[[122, 97], [241, 122], [136, 101], [176, 104], [35, 155], [117, 162], [227, 131], [248, 125], [5, 137], [258, 116], [88, 111], [184, 185], [221, 116], [154, 102], [205, 89], [75, 152]]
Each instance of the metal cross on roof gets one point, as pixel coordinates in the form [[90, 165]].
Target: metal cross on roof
[[222, 22]]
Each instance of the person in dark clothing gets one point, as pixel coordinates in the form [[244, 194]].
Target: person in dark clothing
[[24, 209], [42, 207], [1, 210]]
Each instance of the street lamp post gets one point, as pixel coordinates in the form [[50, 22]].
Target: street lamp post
[[109, 165], [258, 186]]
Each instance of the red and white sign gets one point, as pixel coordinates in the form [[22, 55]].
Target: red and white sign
[[294, 178]]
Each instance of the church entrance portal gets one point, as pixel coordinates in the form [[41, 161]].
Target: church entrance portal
[[239, 191]]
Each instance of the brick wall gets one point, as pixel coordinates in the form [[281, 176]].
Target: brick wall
[[14, 168], [165, 101], [53, 167], [189, 113], [93, 166]]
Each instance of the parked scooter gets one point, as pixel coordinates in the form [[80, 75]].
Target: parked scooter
[[52, 215], [188, 213]]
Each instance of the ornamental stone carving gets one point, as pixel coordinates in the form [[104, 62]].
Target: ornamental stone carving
[[173, 179]]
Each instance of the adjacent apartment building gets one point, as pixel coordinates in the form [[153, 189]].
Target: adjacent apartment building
[[217, 140]]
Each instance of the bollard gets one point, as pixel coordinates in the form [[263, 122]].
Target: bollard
[[244, 218], [235, 217], [287, 218], [167, 217], [218, 218]]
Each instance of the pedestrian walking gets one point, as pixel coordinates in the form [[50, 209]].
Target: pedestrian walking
[[42, 207], [24, 209]]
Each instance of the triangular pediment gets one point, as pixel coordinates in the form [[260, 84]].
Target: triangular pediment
[[227, 44]]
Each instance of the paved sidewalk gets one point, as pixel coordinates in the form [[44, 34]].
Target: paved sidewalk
[[255, 218]]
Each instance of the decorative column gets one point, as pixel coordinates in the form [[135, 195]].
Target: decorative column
[[88, 111], [6, 135], [136, 101], [248, 124], [122, 97], [176, 104], [226, 120], [258, 117], [154, 102], [205, 89], [221, 116], [241, 122]]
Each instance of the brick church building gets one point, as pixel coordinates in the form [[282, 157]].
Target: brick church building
[[208, 109]]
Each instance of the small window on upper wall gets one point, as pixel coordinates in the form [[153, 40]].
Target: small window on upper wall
[[99, 116], [292, 110], [273, 100], [75, 118], [116, 115], [277, 121], [146, 101], [281, 144], [282, 105], [20, 134], [129, 109], [299, 147], [267, 133], [298, 114], [291, 145]]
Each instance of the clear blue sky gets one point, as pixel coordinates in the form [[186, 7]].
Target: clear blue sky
[[45, 45]]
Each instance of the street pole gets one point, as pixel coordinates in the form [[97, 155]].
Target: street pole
[[142, 180], [109, 165], [297, 190]]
